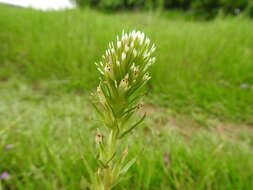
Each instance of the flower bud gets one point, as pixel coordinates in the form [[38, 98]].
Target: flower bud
[[123, 86], [109, 70], [139, 106], [99, 138], [146, 77], [135, 70], [100, 95]]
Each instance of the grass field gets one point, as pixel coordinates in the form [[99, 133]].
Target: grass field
[[200, 66], [51, 135], [198, 135]]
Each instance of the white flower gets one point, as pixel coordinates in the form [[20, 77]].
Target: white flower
[[132, 44], [108, 67], [138, 34], [133, 34], [153, 48], [123, 86], [152, 60], [133, 66], [110, 45], [132, 55], [119, 44], [146, 54], [142, 36], [147, 41], [135, 71], [124, 37], [123, 56], [109, 71], [146, 77]]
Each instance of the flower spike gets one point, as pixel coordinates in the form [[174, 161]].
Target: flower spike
[[123, 73]]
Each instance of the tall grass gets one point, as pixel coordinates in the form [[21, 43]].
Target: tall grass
[[202, 65], [52, 134]]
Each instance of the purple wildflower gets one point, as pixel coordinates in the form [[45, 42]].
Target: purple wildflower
[[4, 175], [9, 146]]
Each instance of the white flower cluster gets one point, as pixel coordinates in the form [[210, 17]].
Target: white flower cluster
[[124, 70], [126, 62]]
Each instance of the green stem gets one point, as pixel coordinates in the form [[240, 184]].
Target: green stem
[[104, 179]]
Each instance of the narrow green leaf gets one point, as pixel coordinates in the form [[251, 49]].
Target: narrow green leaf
[[127, 111], [102, 164], [127, 166], [97, 110], [131, 128]]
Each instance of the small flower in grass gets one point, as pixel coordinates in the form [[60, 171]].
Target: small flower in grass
[[9, 146], [4, 175]]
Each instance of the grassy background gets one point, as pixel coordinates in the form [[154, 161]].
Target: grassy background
[[200, 65], [47, 72], [51, 135]]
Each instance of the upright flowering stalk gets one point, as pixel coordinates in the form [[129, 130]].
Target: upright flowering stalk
[[124, 71]]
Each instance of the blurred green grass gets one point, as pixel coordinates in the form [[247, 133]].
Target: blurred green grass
[[201, 66], [52, 134], [203, 70]]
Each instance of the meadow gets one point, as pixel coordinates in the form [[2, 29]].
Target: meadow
[[199, 100]]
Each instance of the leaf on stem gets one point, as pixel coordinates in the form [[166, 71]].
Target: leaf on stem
[[127, 166], [131, 128]]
